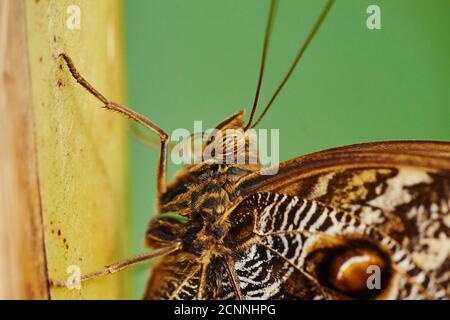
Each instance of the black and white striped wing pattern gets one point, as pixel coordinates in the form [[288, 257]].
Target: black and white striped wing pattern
[[277, 263], [182, 277], [264, 271]]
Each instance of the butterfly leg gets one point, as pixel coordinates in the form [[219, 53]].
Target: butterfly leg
[[147, 140], [121, 265], [110, 105]]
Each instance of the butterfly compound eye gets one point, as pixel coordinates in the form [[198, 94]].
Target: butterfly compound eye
[[359, 271]]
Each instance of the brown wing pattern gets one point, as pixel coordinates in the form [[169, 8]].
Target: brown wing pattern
[[427, 156], [181, 276], [217, 282], [292, 229], [265, 271], [402, 189], [390, 199], [177, 277]]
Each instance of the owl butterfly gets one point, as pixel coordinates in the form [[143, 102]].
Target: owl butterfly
[[368, 221]]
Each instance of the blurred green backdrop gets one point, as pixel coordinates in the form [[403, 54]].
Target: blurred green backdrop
[[199, 59]]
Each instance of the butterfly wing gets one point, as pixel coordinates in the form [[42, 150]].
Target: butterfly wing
[[399, 186], [179, 276], [401, 190], [394, 196], [296, 242], [431, 156]]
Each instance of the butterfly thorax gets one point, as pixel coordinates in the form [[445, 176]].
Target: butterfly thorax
[[203, 193], [202, 196]]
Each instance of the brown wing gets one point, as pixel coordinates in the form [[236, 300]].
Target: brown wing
[[176, 276], [432, 156], [400, 186], [397, 195], [296, 243], [180, 276], [402, 189]]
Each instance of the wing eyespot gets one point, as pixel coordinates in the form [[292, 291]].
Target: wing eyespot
[[357, 271]]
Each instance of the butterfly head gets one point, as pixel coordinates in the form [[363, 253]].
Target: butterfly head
[[201, 193]]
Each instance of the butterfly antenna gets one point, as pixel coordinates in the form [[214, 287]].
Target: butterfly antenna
[[311, 35], [269, 27]]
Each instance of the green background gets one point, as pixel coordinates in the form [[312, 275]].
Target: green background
[[199, 60]]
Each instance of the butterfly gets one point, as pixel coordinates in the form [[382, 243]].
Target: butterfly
[[367, 221]]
